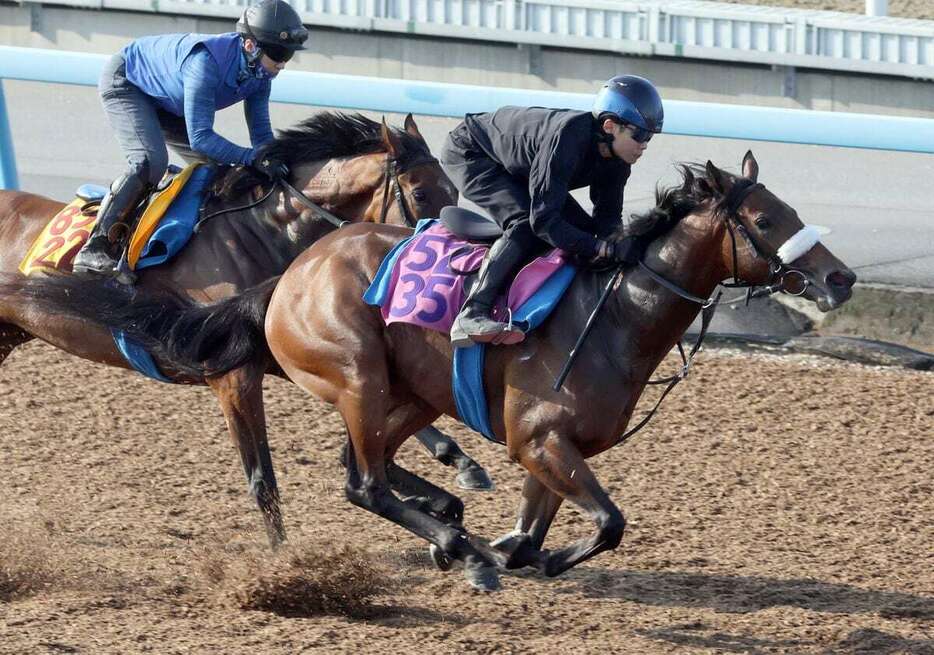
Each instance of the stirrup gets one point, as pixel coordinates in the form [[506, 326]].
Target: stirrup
[[510, 334]]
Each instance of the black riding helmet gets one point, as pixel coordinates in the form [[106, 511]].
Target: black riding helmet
[[275, 27]]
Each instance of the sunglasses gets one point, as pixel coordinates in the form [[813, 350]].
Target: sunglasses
[[640, 134], [277, 53]]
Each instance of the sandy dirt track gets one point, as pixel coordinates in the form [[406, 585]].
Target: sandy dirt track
[[776, 506]]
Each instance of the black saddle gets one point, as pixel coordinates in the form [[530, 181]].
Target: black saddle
[[470, 225]]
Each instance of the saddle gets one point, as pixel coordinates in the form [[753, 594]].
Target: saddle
[[469, 225], [178, 196]]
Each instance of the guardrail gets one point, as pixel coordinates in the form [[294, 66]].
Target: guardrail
[[454, 100], [697, 29]]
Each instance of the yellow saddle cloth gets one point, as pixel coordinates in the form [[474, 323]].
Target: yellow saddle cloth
[[55, 248]]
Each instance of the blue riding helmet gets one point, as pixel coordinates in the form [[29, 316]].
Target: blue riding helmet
[[633, 100]]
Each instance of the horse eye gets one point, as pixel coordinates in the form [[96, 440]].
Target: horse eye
[[419, 195], [763, 222]]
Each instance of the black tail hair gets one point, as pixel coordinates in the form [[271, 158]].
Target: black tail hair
[[197, 340]]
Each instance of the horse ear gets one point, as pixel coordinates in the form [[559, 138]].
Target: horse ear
[[715, 175], [412, 128], [750, 166], [391, 141]]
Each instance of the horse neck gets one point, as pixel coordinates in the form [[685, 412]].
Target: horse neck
[[689, 256], [343, 187]]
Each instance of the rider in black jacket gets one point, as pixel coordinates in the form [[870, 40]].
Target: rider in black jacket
[[520, 163]]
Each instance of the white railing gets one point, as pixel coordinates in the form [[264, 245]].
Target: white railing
[[676, 28]]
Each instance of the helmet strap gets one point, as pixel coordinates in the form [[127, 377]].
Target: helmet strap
[[603, 137]]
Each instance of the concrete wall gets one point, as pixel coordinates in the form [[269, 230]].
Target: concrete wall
[[471, 62]]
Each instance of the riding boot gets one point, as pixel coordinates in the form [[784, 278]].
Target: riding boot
[[97, 256], [474, 323]]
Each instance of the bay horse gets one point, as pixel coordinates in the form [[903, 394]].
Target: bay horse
[[389, 381], [348, 165]]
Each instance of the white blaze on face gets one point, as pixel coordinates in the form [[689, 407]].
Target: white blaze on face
[[802, 241]]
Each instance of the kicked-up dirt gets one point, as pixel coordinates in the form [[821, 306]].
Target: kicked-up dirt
[[776, 505]]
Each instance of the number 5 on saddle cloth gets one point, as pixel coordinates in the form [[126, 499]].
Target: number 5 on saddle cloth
[[421, 281]]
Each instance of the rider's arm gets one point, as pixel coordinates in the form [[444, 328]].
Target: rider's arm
[[606, 194], [256, 111], [201, 77], [549, 179]]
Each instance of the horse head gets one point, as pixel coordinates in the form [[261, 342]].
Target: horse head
[[765, 243], [414, 184], [364, 171]]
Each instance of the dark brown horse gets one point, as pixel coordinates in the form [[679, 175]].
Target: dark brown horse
[[350, 166], [388, 382]]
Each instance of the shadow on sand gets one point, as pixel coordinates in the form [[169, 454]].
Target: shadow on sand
[[739, 594]]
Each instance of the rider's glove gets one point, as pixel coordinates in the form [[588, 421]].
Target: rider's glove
[[271, 167], [626, 251]]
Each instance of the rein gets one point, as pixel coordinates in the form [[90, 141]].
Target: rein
[[391, 178], [796, 246]]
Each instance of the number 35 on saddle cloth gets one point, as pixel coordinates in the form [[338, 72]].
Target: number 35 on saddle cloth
[[421, 282], [163, 230]]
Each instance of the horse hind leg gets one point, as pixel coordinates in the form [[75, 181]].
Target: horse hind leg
[[240, 393], [11, 336], [470, 475]]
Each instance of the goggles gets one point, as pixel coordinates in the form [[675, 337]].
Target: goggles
[[640, 134], [277, 53]]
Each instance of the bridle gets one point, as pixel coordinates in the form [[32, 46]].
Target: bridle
[[391, 179], [779, 270]]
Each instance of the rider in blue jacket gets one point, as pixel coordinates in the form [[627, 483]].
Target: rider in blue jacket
[[520, 163], [163, 91]]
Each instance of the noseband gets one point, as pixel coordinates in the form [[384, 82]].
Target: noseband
[[779, 270], [799, 243], [391, 179]]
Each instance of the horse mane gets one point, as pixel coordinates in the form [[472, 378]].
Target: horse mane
[[675, 202], [325, 135]]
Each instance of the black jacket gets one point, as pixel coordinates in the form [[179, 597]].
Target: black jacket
[[555, 151]]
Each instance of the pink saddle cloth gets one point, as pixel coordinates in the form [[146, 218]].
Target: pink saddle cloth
[[426, 281]]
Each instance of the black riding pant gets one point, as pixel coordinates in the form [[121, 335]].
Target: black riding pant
[[504, 196]]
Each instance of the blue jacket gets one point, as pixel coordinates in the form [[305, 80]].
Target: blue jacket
[[194, 75]]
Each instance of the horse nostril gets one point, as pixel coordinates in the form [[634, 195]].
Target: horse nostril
[[841, 279]]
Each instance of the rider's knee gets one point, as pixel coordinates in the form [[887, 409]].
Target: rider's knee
[[149, 169]]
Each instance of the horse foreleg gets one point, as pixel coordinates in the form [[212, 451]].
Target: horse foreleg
[[240, 393], [537, 510], [470, 475], [375, 434], [559, 466]]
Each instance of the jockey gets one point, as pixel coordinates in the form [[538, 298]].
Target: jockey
[[164, 90], [519, 164]]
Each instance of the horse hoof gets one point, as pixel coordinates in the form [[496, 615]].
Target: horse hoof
[[438, 556], [475, 479], [483, 578]]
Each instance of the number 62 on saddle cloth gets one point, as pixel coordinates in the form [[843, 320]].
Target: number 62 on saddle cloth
[[55, 248]]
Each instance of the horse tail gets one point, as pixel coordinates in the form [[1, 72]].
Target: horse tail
[[197, 340]]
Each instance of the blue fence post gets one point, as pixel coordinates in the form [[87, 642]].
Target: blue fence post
[[8, 179]]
